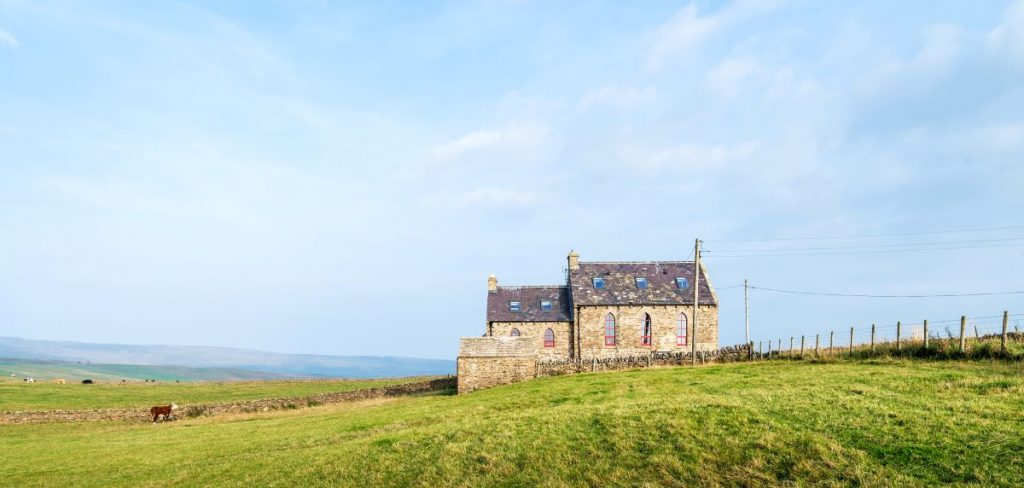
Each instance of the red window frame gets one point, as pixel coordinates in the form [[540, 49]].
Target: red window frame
[[549, 338], [514, 332], [681, 337], [645, 330], [609, 329]]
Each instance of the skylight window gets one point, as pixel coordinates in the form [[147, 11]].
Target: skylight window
[[598, 282], [681, 283], [641, 283], [545, 305], [513, 306]]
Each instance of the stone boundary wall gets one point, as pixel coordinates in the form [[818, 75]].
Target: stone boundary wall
[[655, 359], [212, 409]]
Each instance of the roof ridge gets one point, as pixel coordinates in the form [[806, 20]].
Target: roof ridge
[[636, 262], [531, 286]]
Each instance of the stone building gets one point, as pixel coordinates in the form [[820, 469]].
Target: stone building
[[604, 310]]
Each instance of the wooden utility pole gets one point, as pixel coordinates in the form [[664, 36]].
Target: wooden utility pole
[[746, 308], [926, 334], [963, 333], [1006, 319], [696, 296]]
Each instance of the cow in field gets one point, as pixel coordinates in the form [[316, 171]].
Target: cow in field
[[165, 410], [60, 381]]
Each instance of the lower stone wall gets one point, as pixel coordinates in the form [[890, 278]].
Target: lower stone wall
[[654, 359], [143, 415]]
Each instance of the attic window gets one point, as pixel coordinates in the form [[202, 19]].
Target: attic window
[[598, 282], [545, 305], [513, 306], [681, 283], [641, 283]]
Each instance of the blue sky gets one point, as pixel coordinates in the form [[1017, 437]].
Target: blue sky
[[341, 178]]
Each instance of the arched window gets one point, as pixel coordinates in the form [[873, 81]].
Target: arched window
[[645, 330], [514, 333], [549, 338], [609, 329], [681, 330]]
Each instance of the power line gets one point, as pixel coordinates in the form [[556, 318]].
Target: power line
[[875, 246], [884, 251], [865, 295], [865, 236]]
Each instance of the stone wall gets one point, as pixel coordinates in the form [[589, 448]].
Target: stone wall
[[490, 361], [262, 405], [651, 359], [629, 321], [535, 331]]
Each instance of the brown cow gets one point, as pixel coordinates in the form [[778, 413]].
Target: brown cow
[[165, 410]]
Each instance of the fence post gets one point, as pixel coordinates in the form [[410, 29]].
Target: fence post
[[769, 349], [760, 349], [872, 337], [816, 345], [926, 334], [790, 347], [831, 339], [801, 347], [851, 342], [898, 327], [750, 351], [1006, 319], [963, 332], [976, 333], [780, 348]]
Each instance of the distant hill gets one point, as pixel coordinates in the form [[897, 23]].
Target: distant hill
[[75, 371], [223, 357]]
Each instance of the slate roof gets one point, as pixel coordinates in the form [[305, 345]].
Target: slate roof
[[620, 283], [529, 298]]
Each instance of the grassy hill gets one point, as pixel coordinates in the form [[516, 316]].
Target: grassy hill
[[877, 423]]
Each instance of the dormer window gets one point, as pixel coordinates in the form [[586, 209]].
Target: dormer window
[[545, 305], [641, 283], [598, 282], [682, 284], [513, 306]]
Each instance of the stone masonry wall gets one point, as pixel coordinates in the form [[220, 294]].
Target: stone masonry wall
[[629, 321], [535, 331], [490, 361]]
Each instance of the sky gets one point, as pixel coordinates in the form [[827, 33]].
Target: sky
[[341, 178]]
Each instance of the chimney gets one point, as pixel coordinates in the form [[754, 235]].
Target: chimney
[[574, 261], [492, 284]]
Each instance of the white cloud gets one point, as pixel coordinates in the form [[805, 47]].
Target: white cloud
[[941, 49], [687, 29], [517, 139], [618, 97], [691, 155], [1007, 39], [486, 196], [728, 75], [7, 39]]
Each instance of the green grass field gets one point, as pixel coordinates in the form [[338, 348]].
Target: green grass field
[[48, 370], [18, 395], [881, 423]]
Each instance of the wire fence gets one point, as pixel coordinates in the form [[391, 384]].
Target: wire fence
[[982, 336]]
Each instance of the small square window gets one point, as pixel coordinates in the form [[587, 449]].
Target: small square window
[[641, 283], [681, 283], [598, 282], [513, 306], [545, 305]]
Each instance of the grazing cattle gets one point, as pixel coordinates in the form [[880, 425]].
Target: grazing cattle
[[86, 382], [30, 380], [165, 410], [60, 381]]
